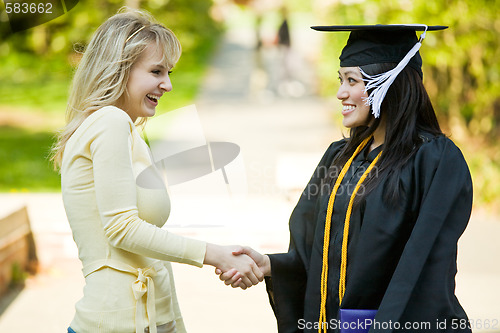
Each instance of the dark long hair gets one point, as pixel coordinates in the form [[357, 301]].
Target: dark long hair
[[408, 113]]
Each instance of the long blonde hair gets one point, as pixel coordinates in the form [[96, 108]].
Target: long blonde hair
[[102, 75]]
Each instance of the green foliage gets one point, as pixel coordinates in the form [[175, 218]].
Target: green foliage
[[18, 275], [298, 5], [24, 165], [461, 69]]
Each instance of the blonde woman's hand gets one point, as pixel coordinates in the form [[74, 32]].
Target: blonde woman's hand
[[244, 270], [231, 277]]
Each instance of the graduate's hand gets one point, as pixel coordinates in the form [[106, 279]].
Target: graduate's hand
[[231, 277], [262, 260], [244, 270]]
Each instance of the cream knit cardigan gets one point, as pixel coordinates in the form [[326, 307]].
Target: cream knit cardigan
[[116, 225]]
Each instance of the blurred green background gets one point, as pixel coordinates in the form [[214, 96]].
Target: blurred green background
[[461, 72]]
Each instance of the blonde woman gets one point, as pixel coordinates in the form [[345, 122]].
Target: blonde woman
[[116, 224]]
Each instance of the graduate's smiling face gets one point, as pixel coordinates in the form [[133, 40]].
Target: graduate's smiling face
[[148, 81], [352, 94]]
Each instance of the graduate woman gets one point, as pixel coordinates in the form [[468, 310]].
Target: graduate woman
[[125, 254], [374, 234]]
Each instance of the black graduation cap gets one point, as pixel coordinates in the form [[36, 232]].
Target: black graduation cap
[[372, 44]]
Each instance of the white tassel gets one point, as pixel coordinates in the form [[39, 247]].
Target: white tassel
[[380, 83]]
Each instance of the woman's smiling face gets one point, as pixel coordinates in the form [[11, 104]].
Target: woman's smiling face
[[148, 81], [353, 96]]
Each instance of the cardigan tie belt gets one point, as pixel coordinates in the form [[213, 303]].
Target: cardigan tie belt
[[143, 288]]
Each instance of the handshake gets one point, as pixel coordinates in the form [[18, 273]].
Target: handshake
[[238, 266]]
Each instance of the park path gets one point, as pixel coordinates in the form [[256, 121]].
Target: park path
[[282, 133]]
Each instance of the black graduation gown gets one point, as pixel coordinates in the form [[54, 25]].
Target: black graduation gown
[[401, 260]]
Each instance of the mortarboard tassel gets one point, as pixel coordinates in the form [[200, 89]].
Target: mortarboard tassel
[[381, 82]]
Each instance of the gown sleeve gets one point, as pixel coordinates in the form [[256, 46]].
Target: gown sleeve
[[287, 284], [422, 285], [115, 190]]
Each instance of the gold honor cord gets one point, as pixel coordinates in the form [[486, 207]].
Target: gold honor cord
[[326, 239]]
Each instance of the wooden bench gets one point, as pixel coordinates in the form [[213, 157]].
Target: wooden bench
[[17, 249]]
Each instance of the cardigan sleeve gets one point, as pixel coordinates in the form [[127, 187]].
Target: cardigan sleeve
[[115, 190]]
